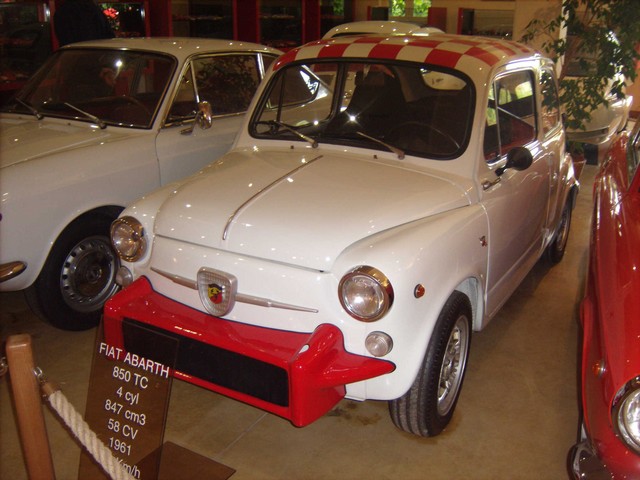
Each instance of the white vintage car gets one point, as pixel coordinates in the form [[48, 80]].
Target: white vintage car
[[607, 119], [379, 27], [99, 125], [383, 200]]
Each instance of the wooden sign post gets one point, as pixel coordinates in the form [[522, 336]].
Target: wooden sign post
[[28, 405]]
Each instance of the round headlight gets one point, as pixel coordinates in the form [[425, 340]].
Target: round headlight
[[127, 237], [626, 414], [366, 294]]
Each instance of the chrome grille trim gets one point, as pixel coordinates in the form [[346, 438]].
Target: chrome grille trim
[[240, 297]]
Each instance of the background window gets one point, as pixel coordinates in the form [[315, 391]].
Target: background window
[[409, 8]]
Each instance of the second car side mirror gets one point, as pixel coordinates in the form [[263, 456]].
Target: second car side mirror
[[204, 117], [519, 158]]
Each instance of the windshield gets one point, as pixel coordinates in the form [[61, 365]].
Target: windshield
[[404, 108], [108, 87]]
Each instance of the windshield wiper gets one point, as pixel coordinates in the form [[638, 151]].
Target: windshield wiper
[[312, 141], [31, 108], [95, 119], [393, 149]]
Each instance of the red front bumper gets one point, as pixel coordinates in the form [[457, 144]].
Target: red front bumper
[[299, 376]]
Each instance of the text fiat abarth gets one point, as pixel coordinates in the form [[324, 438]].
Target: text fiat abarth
[[383, 200], [99, 125]]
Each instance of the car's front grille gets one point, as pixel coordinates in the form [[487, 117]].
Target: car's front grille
[[213, 364]]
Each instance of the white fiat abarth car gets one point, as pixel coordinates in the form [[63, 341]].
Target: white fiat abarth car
[[382, 201], [99, 125]]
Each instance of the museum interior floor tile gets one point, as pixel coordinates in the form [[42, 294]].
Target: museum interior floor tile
[[516, 419]]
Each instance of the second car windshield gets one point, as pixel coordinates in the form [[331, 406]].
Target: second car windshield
[[109, 86], [400, 107]]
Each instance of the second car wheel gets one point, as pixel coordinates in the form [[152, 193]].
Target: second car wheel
[[428, 406], [78, 276]]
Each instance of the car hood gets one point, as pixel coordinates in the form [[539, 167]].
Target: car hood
[[300, 208], [23, 139]]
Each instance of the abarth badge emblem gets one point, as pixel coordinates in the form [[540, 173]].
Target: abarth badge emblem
[[217, 291]]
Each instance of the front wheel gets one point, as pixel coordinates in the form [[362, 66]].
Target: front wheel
[[78, 276], [428, 406]]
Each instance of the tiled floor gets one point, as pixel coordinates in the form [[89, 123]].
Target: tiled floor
[[516, 419]]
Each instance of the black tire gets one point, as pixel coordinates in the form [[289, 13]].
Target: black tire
[[555, 250], [78, 276], [426, 409]]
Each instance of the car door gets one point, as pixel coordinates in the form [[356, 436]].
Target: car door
[[516, 202], [553, 139], [227, 81]]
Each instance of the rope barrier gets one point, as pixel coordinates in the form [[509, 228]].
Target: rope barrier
[[98, 450]]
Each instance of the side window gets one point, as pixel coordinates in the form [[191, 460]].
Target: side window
[[550, 103], [491, 142], [267, 60], [184, 105], [510, 116], [227, 82]]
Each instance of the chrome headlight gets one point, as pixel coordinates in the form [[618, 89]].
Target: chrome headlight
[[366, 294], [127, 237], [626, 414]]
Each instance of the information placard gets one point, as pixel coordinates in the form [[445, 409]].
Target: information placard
[[127, 406]]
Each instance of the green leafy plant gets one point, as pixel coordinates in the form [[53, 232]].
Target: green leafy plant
[[602, 41], [417, 8], [398, 8]]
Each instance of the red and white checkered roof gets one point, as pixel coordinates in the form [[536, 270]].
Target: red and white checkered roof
[[461, 52]]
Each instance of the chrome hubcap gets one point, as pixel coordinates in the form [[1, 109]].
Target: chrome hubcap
[[87, 278], [453, 364]]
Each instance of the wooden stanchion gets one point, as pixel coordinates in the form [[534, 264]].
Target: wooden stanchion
[[28, 404]]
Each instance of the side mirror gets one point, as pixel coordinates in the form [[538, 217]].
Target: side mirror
[[519, 158], [204, 117]]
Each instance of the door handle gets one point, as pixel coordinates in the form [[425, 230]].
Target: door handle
[[486, 185]]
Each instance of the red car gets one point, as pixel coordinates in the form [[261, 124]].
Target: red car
[[610, 316]]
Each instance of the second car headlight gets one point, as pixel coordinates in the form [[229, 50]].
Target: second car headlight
[[366, 293], [127, 237], [626, 414]]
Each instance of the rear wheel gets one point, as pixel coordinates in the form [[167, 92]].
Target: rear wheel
[[428, 406], [555, 250], [78, 276]]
